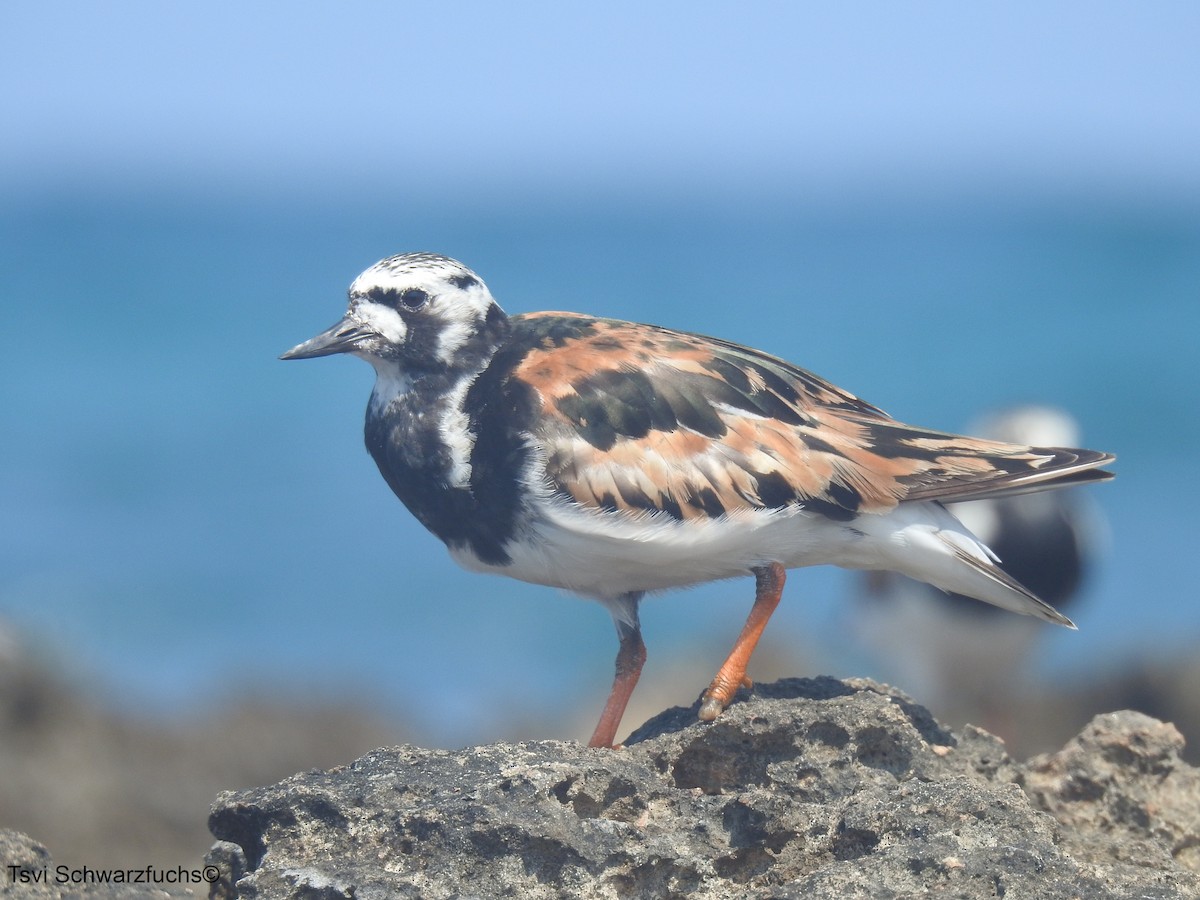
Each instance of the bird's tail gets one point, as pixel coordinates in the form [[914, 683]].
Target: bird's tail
[[986, 581], [925, 542]]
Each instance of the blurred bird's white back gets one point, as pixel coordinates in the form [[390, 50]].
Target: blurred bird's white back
[[958, 656]]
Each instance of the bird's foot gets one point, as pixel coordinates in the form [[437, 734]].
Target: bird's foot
[[720, 694], [768, 588]]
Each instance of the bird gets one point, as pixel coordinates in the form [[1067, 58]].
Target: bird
[[614, 459], [961, 657]]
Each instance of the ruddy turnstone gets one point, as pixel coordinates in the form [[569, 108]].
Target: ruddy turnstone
[[613, 459]]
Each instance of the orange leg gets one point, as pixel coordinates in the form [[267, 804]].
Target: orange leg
[[768, 588], [630, 658]]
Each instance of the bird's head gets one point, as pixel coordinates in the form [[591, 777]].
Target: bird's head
[[416, 311]]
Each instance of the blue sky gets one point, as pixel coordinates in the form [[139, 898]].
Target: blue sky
[[465, 97]]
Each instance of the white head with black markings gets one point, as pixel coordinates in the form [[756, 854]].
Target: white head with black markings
[[415, 311]]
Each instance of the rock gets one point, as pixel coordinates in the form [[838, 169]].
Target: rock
[[1121, 786], [808, 788], [23, 859], [106, 788], [27, 872]]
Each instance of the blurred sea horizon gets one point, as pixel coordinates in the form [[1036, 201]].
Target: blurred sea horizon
[[187, 517]]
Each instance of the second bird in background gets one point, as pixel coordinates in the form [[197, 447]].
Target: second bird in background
[[964, 659]]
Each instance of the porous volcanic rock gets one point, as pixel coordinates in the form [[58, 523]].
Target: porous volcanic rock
[[806, 788]]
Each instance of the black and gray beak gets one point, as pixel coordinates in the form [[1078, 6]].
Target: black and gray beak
[[341, 338]]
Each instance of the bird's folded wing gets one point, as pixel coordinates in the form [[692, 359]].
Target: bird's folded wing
[[643, 419]]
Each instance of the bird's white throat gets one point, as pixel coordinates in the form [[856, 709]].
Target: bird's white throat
[[391, 383]]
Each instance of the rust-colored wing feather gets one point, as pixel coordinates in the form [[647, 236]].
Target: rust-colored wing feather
[[641, 418]]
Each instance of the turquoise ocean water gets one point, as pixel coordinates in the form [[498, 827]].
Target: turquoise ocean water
[[184, 516]]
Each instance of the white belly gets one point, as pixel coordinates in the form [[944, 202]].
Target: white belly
[[608, 554]]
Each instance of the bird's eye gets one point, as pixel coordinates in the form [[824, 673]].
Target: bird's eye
[[414, 298]]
